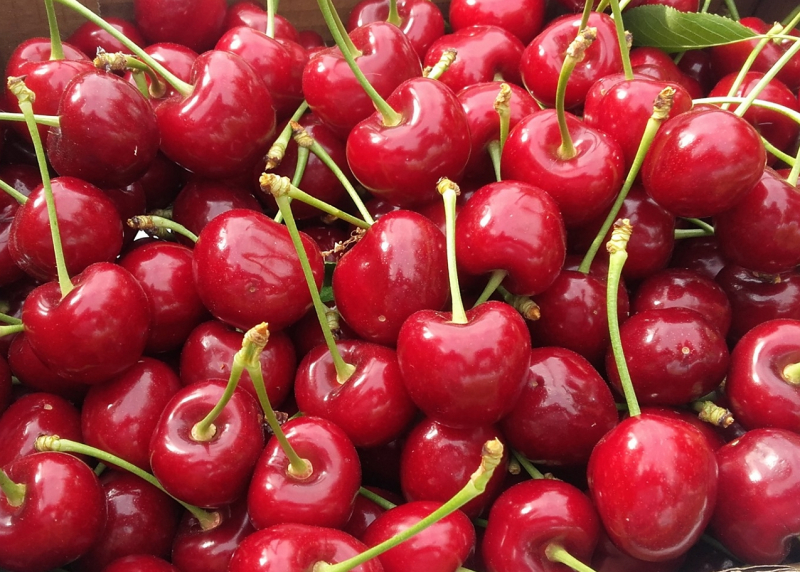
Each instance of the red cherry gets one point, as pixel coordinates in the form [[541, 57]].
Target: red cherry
[[524, 19], [89, 37], [140, 563], [33, 374], [196, 25], [245, 13], [421, 21]]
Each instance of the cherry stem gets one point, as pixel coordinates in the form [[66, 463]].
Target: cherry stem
[[617, 257], [445, 61], [502, 106], [495, 280], [791, 20], [495, 154], [12, 329], [253, 343], [351, 47], [490, 458], [791, 113], [731, 4], [682, 233], [575, 53], [394, 15], [710, 412], [390, 116], [343, 369], [56, 48], [377, 499], [785, 157], [49, 120], [157, 223], [270, 181], [616, 10], [768, 77], [557, 553], [527, 465], [177, 84], [450, 191], [13, 193], [278, 149], [748, 63], [791, 373], [299, 171], [121, 62], [270, 31], [14, 492], [25, 97], [304, 140], [661, 108], [208, 520], [523, 304], [795, 172], [587, 11], [11, 320], [141, 83]]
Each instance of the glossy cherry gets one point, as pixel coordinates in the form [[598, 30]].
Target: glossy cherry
[[140, 563], [482, 363], [97, 331], [564, 410], [647, 466], [523, 19], [89, 37], [33, 374], [120, 415], [60, 515], [671, 171], [323, 498], [756, 517], [247, 272], [176, 58], [195, 25], [246, 13], [397, 268], [371, 406], [213, 472]]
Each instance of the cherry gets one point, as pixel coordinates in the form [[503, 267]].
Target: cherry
[[367, 510], [651, 465], [397, 268], [176, 58], [162, 182], [296, 548], [140, 520], [608, 558], [246, 271], [761, 384], [421, 21], [88, 37], [140, 563], [195, 25], [437, 460], [442, 547], [120, 415], [757, 516], [164, 270], [712, 433], [658, 65], [209, 350], [564, 410], [246, 13], [210, 550], [94, 332], [33, 415], [533, 518], [33, 374], [699, 254], [371, 406], [325, 497], [485, 53], [523, 19], [6, 387], [671, 173], [208, 471], [89, 223], [515, 228], [52, 510]]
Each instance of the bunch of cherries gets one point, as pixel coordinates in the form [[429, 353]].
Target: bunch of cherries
[[518, 297]]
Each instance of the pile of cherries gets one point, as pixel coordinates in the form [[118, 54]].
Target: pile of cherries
[[512, 297]]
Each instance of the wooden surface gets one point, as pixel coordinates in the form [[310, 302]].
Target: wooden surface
[[20, 19]]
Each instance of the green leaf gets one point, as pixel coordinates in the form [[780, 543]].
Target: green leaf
[[675, 31]]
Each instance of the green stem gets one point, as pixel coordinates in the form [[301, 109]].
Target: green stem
[[731, 4], [785, 157], [14, 492], [661, 109], [574, 54], [795, 172], [394, 15], [616, 10], [706, 6], [351, 47], [495, 280], [120, 62], [495, 155], [390, 116], [557, 553], [617, 257], [278, 149], [13, 193], [449, 191], [710, 412], [791, 20], [25, 97], [48, 120], [304, 140], [270, 31], [493, 452], [502, 106], [12, 329], [700, 223], [377, 499], [768, 77], [208, 520], [791, 113], [748, 63], [527, 465], [11, 320], [141, 83], [523, 304], [56, 48], [587, 11], [791, 373], [343, 369], [682, 233], [299, 171], [156, 223], [445, 61], [177, 84]]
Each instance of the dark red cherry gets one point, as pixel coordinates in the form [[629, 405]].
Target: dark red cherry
[[89, 37], [140, 563], [523, 19], [33, 374], [246, 13], [196, 25]]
